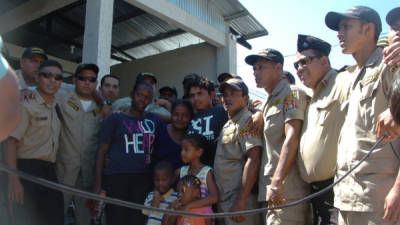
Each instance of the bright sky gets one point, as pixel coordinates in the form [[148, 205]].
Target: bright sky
[[285, 19]]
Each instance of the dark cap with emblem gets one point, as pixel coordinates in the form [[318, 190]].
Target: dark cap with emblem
[[87, 66], [305, 42], [235, 83], [223, 76], [393, 15], [143, 76], [31, 51], [365, 13], [268, 54]]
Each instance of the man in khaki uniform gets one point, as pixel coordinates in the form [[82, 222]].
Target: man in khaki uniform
[[32, 148], [29, 63], [322, 123], [360, 197], [283, 113], [237, 158], [79, 137]]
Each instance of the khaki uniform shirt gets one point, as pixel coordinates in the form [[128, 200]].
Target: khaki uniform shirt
[[366, 188], [230, 157], [285, 103], [321, 128], [38, 130], [79, 139]]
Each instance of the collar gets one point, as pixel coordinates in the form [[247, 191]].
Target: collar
[[239, 115], [279, 87], [374, 58], [325, 80]]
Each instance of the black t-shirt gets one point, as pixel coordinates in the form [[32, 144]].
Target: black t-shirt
[[209, 124]]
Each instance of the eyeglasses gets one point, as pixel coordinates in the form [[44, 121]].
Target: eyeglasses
[[82, 77], [304, 61], [49, 75]]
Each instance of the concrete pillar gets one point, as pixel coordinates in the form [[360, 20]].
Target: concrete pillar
[[226, 56], [98, 32]]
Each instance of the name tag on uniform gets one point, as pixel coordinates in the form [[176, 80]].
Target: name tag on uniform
[[41, 118], [371, 78]]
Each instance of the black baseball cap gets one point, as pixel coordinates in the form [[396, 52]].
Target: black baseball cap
[[305, 42], [236, 84], [168, 88], [31, 51], [332, 19], [268, 54], [143, 75], [393, 15], [87, 66], [190, 77]]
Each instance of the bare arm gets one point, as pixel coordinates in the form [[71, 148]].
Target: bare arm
[[249, 178], [286, 160], [103, 149], [392, 202], [9, 101], [15, 189]]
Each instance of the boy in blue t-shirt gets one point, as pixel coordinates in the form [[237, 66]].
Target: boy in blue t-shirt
[[208, 120], [163, 195]]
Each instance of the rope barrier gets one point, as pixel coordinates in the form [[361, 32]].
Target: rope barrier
[[84, 194]]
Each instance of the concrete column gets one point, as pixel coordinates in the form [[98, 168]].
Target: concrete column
[[226, 56], [98, 32]]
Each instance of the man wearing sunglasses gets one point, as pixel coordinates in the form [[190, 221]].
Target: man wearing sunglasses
[[32, 148], [283, 113], [79, 137], [324, 118], [360, 197]]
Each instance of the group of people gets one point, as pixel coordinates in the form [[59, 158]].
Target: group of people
[[214, 150]]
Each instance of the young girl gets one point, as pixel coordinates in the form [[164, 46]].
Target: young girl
[[194, 153], [189, 192]]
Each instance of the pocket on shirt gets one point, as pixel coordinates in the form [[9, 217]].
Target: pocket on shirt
[[324, 110], [369, 91]]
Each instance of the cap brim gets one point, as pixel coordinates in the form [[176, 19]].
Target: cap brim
[[251, 59], [393, 15], [226, 84], [91, 66], [333, 19]]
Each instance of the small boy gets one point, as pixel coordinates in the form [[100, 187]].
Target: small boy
[[163, 195]]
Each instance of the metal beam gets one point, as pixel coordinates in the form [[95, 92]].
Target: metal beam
[[255, 35], [240, 14], [132, 14], [152, 39], [29, 11]]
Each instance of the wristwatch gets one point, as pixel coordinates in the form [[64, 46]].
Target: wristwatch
[[107, 102]]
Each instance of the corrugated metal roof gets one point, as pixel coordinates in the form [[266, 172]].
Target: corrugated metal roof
[[136, 34]]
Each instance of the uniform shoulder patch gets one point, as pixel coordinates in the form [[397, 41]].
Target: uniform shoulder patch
[[290, 103], [73, 105]]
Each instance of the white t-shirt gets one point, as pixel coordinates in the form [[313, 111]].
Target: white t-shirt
[[86, 104]]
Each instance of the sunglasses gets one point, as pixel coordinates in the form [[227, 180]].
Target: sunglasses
[[304, 61], [49, 75], [82, 77]]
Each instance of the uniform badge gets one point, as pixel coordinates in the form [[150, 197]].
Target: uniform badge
[[394, 69], [325, 82], [290, 103], [41, 118], [245, 132], [73, 105]]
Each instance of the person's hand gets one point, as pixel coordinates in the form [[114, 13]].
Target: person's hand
[[27, 95], [163, 103], [238, 205], [387, 125], [391, 54], [256, 103], [175, 205], [392, 205], [15, 190], [157, 198], [256, 124], [275, 196], [106, 111]]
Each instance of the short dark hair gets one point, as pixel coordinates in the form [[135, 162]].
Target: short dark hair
[[185, 103], [394, 101], [103, 79], [203, 83], [376, 29], [164, 165], [50, 62], [144, 83]]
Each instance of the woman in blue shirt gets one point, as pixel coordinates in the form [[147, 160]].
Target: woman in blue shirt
[[128, 140], [169, 141]]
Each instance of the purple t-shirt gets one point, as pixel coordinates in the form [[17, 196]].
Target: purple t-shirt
[[167, 149], [131, 142]]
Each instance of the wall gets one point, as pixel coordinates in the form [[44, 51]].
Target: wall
[[170, 67]]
